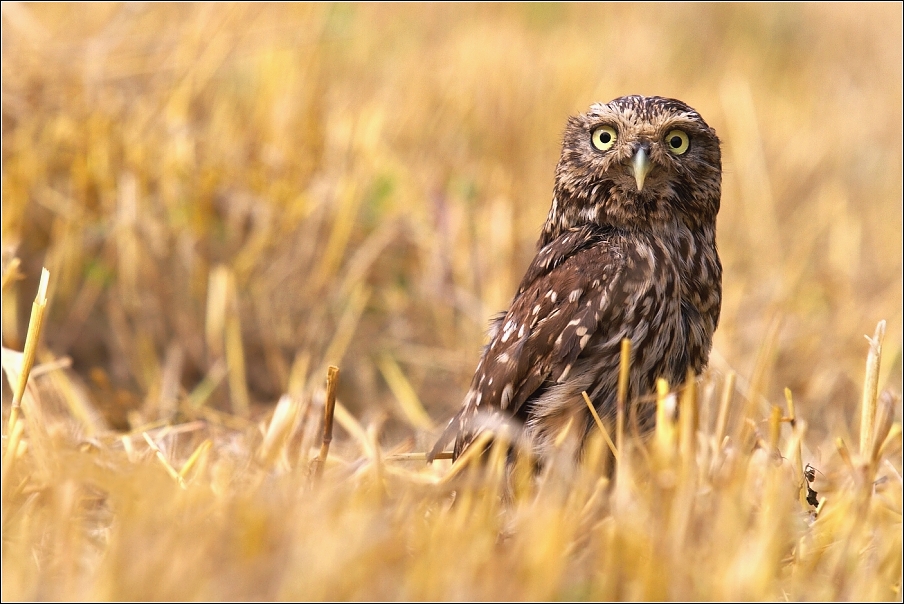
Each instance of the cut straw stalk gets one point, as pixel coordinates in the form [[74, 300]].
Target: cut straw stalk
[[687, 420], [281, 427], [724, 403], [870, 389], [665, 419], [418, 456], [223, 332], [798, 454], [329, 408], [623, 373], [31, 346]]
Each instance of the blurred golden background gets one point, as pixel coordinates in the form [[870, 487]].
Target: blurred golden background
[[231, 196]]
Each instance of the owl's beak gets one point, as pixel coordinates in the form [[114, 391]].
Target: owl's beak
[[641, 167]]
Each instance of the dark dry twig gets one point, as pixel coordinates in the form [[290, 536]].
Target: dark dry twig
[[329, 407]]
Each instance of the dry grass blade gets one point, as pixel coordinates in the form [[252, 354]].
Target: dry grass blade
[[196, 458], [624, 371], [10, 453], [163, 461], [408, 400], [870, 391], [666, 430], [724, 402], [473, 453], [279, 430], [420, 456], [600, 425], [329, 407], [31, 346], [688, 417], [797, 453]]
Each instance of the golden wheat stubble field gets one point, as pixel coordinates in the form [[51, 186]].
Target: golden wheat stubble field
[[231, 198]]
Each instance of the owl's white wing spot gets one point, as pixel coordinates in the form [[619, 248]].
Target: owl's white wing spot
[[508, 330], [565, 373], [506, 397]]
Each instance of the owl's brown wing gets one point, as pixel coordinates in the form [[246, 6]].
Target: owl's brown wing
[[571, 289]]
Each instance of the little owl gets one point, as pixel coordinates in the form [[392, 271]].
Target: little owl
[[628, 250]]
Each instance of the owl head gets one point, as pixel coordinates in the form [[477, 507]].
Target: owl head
[[637, 163]]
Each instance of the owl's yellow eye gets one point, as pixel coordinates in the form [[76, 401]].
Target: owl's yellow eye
[[677, 142], [603, 137]]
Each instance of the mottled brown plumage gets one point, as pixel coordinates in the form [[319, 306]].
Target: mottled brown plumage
[[628, 250]]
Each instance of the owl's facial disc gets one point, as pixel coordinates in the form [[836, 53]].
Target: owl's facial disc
[[640, 167]]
